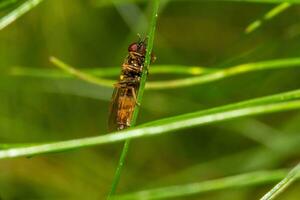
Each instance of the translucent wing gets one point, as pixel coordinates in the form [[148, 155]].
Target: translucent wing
[[113, 110], [122, 108]]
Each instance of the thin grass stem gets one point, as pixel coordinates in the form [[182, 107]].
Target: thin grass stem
[[140, 93], [263, 1], [207, 75], [81, 75], [268, 16], [119, 169], [104, 71], [237, 181], [156, 128], [224, 73], [283, 184]]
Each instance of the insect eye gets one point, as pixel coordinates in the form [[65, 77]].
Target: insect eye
[[133, 47], [142, 49]]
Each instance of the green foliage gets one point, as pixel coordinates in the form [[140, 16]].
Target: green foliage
[[140, 92], [208, 75], [269, 104], [268, 1], [238, 181], [223, 152]]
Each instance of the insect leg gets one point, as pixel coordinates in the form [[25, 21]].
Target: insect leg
[[131, 67], [134, 54], [134, 96]]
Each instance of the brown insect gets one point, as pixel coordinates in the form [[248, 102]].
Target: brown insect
[[124, 98]]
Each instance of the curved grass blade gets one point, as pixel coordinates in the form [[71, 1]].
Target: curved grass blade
[[267, 1], [224, 73], [102, 72], [283, 184], [287, 96], [81, 75], [237, 181], [162, 126], [205, 78], [206, 75], [101, 3], [15, 145], [18, 12]]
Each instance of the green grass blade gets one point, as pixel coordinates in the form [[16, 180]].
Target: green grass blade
[[81, 75], [109, 3], [18, 12], [224, 73], [283, 184], [140, 93], [14, 145], [267, 1], [237, 181], [207, 75], [103, 72], [117, 175], [268, 16], [258, 101], [165, 125]]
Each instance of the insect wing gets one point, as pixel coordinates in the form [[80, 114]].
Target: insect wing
[[113, 110], [121, 109]]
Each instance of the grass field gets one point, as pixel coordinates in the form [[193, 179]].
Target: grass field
[[219, 109]]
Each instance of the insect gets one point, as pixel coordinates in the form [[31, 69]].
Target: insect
[[124, 98]]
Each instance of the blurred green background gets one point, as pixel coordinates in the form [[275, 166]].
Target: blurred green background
[[95, 33]]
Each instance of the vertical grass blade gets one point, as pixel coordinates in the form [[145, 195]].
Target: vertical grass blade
[[151, 34]]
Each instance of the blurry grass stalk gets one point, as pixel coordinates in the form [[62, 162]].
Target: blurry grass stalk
[[237, 181], [269, 104], [140, 92], [268, 16], [81, 75], [101, 3], [18, 12], [225, 73], [15, 145], [283, 184], [265, 1], [103, 72], [208, 75]]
